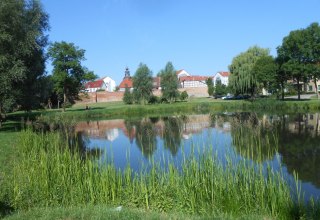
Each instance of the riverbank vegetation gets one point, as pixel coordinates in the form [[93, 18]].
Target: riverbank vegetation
[[52, 173]]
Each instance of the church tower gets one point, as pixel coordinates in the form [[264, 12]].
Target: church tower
[[127, 73]]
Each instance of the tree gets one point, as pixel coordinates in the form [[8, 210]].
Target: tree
[[220, 89], [242, 78], [127, 96], [23, 24], [169, 83], [312, 53], [142, 84], [265, 70], [291, 55], [68, 73], [210, 86]]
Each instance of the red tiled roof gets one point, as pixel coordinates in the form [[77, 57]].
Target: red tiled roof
[[224, 74], [126, 82], [95, 84], [193, 78]]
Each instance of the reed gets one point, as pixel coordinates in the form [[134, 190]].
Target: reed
[[50, 173]]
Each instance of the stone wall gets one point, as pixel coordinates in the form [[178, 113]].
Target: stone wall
[[93, 97]]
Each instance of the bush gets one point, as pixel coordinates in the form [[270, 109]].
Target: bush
[[153, 99], [163, 100], [184, 96], [127, 97]]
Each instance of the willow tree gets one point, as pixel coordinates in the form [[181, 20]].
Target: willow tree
[[242, 78]]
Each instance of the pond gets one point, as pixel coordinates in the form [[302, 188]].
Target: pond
[[289, 142]]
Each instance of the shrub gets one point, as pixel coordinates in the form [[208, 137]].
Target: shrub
[[153, 99], [184, 96], [127, 97]]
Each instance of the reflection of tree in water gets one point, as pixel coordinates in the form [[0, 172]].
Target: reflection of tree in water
[[252, 138], [172, 133], [300, 148], [77, 141], [145, 135]]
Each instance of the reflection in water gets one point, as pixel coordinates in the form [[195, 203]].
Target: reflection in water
[[258, 137]]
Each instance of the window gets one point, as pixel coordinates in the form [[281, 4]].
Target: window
[[310, 89], [318, 88]]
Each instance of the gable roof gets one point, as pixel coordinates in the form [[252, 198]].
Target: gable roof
[[224, 74], [126, 83], [193, 78], [179, 71], [95, 84]]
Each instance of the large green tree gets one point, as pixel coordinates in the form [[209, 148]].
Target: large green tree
[[68, 73], [169, 83], [243, 78], [265, 70], [142, 84], [300, 54], [23, 24]]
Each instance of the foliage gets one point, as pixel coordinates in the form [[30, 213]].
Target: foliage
[[23, 25], [242, 78], [210, 86], [265, 70], [127, 96], [63, 177], [300, 54], [184, 96], [220, 89], [68, 73], [169, 82], [142, 84], [153, 99]]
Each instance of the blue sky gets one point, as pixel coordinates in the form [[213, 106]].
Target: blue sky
[[200, 36]]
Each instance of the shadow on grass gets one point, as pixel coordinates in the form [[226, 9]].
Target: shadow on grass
[[5, 209], [84, 110], [296, 100]]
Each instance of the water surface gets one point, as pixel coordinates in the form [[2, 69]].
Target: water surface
[[290, 143]]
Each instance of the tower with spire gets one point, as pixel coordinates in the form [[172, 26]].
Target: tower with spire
[[127, 73]]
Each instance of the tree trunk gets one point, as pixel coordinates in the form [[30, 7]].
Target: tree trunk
[[64, 98], [298, 88], [316, 86], [0, 116], [282, 91]]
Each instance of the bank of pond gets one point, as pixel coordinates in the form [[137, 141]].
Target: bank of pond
[[232, 164]]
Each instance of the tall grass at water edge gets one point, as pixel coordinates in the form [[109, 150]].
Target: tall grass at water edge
[[50, 174]]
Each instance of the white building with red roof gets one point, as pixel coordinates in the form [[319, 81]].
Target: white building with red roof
[[181, 73], [110, 84], [222, 76], [94, 86], [193, 81]]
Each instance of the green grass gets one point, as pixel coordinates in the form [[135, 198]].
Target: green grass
[[49, 174], [10, 150]]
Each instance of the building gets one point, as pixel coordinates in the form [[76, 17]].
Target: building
[[126, 82], [223, 77], [181, 73], [96, 85], [193, 81], [156, 83], [110, 84]]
